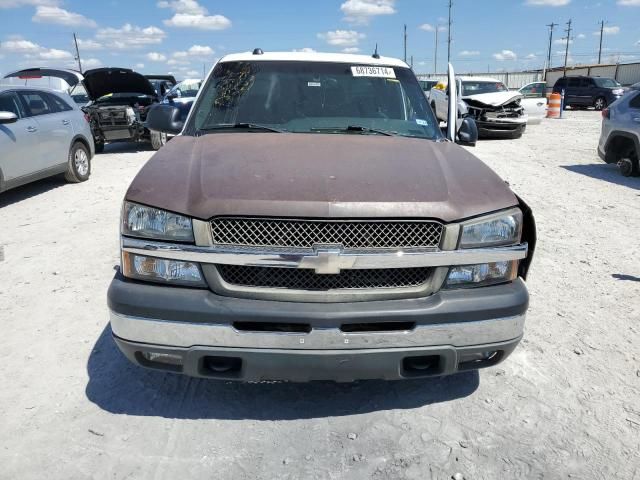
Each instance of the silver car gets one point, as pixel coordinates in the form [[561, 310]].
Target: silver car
[[42, 133], [620, 137]]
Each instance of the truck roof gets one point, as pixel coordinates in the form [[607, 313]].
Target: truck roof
[[314, 57]]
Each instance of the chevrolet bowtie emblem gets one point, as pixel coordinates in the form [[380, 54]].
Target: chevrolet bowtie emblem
[[327, 261]]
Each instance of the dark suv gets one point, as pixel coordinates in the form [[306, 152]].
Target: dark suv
[[583, 92]]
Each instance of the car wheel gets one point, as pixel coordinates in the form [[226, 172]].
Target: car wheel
[[79, 164], [99, 146], [158, 139], [600, 103]]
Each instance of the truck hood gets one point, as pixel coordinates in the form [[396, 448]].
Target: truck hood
[[495, 99], [102, 81], [318, 175]]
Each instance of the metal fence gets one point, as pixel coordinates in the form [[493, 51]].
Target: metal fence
[[626, 74]]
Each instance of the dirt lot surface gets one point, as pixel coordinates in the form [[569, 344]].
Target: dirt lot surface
[[566, 404]]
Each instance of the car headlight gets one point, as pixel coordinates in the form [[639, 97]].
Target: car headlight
[[504, 228], [161, 270], [618, 91], [481, 275], [147, 222]]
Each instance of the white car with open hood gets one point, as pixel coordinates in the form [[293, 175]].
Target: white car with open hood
[[497, 110]]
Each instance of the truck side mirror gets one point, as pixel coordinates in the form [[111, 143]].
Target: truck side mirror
[[8, 117], [164, 118], [468, 132]]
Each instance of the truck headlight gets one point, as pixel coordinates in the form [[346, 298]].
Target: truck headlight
[[482, 274], [160, 270], [147, 222], [503, 228]]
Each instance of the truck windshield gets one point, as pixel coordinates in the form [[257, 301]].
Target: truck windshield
[[606, 82], [476, 88], [314, 97]]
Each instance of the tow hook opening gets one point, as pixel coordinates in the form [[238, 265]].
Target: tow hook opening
[[224, 367], [422, 366]]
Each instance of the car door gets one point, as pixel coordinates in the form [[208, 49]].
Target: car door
[[54, 128], [534, 101], [572, 92], [20, 148]]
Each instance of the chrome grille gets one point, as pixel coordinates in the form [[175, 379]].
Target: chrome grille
[[252, 232], [304, 279]]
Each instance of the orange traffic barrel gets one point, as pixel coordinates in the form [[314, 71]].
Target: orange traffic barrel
[[555, 104]]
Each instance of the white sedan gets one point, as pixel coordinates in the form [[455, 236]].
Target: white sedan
[[534, 101]]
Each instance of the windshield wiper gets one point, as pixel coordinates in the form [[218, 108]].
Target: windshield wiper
[[354, 128], [231, 126]]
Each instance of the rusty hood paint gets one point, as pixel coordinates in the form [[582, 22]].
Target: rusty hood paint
[[318, 175]]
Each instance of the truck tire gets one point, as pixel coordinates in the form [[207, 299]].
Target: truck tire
[[79, 164], [600, 103], [158, 139]]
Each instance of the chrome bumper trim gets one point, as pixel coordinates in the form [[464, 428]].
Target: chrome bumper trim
[[185, 334], [314, 260]]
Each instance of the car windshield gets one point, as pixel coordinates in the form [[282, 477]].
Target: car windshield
[[606, 82], [476, 88], [315, 97], [186, 88]]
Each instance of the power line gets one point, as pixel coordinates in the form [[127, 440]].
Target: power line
[[405, 43], [566, 51], [449, 34], [75, 41], [601, 33], [551, 27]]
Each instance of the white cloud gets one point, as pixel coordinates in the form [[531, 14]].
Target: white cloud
[[612, 30], [201, 22], [580, 36], [190, 14], [629, 3], [23, 3], [175, 61], [91, 63], [130, 36], [156, 57], [89, 45], [200, 50], [19, 46], [60, 16], [139, 65], [562, 41], [54, 54], [304, 50], [342, 38], [505, 55], [361, 11], [531, 56], [184, 6], [469, 53], [351, 50], [427, 27], [193, 73], [549, 3]]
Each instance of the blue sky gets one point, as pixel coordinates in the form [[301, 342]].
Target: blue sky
[[183, 36]]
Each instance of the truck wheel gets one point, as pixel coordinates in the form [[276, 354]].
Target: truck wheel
[[99, 146], [600, 103], [79, 164], [158, 139]]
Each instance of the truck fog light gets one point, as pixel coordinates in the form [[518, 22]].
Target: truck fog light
[[161, 270], [168, 358], [482, 274]]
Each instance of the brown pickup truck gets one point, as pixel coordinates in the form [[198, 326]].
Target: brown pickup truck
[[311, 221]]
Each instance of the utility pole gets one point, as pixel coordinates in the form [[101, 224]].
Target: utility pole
[[411, 64], [75, 40], [566, 51], [449, 34], [435, 55], [551, 27], [405, 43], [601, 33]]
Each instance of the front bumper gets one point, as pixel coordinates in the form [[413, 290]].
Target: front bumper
[[498, 129], [447, 332]]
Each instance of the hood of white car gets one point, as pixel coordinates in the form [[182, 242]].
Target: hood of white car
[[495, 99]]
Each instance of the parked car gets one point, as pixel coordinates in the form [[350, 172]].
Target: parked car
[[310, 222], [181, 95], [427, 85], [59, 79], [161, 83], [583, 92], [42, 133], [620, 137], [120, 99], [496, 110], [534, 101]]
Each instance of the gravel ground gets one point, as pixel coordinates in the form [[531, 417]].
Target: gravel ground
[[566, 404]]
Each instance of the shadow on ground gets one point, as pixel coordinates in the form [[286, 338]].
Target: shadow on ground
[[607, 172], [127, 147], [29, 190], [622, 276], [117, 386]]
